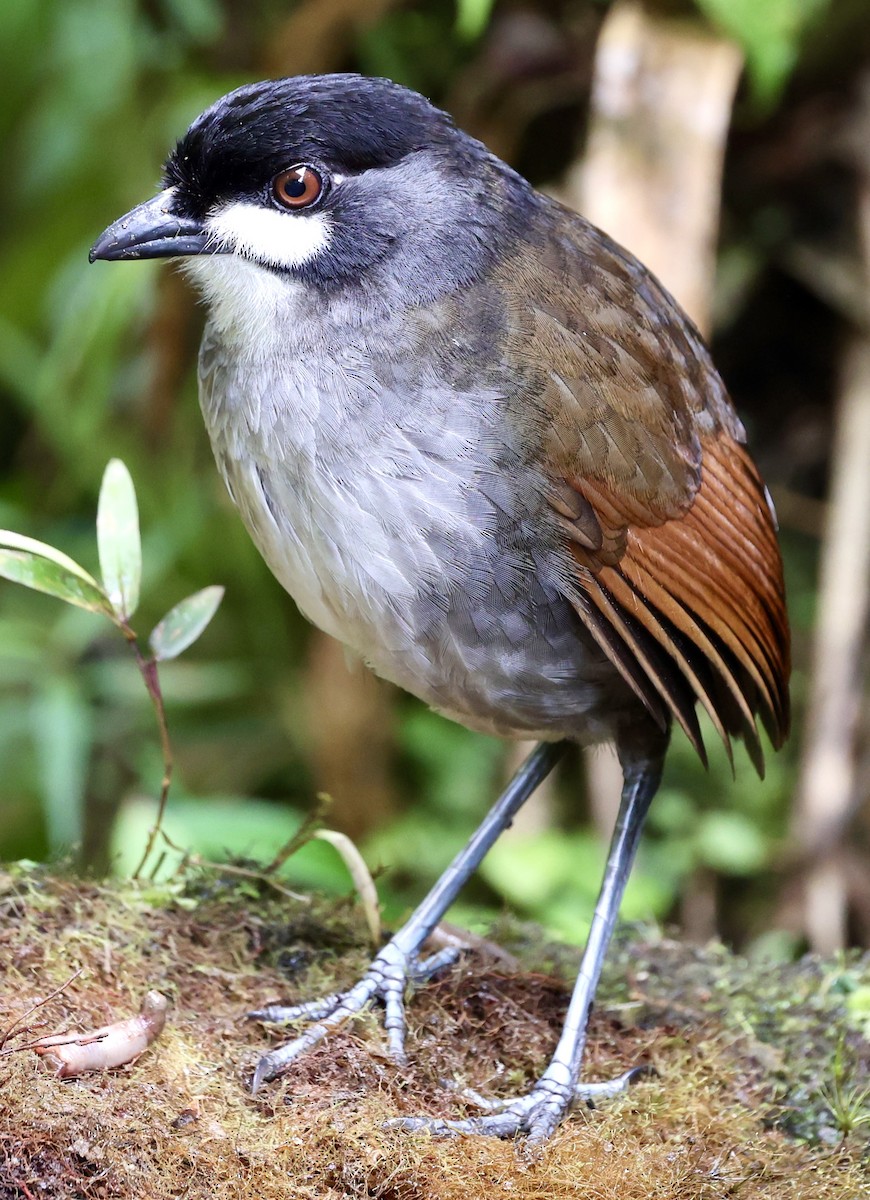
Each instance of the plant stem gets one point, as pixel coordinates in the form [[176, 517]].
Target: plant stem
[[148, 670]]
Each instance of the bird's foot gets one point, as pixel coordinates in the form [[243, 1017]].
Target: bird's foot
[[385, 980], [536, 1114]]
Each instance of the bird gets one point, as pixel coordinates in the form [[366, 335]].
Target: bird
[[480, 444]]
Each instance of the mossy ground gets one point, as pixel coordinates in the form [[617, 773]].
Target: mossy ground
[[743, 1056]]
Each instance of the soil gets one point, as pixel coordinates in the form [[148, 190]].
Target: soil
[[759, 1088]]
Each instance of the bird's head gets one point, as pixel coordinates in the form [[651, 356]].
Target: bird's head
[[327, 181]]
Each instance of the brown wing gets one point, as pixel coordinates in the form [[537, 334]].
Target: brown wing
[[668, 523], [697, 601]]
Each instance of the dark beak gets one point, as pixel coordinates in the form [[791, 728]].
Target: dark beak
[[152, 230]]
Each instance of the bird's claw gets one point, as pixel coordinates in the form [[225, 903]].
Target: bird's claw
[[536, 1114], [384, 981]]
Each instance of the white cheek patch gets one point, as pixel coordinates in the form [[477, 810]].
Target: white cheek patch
[[266, 235]]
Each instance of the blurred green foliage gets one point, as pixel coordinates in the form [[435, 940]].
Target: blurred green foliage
[[98, 362], [771, 34]]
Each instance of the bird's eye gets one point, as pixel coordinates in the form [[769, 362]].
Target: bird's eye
[[297, 187]]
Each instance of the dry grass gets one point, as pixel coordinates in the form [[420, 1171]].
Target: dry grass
[[180, 1122]]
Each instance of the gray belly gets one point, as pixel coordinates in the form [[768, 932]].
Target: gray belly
[[399, 537]]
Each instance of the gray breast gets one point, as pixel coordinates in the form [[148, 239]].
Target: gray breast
[[392, 502]]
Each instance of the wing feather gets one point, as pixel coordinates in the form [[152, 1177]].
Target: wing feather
[[698, 599], [673, 552]]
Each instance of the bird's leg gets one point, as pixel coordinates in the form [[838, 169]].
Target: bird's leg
[[539, 1110], [399, 961]]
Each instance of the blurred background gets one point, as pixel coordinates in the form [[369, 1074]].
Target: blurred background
[[727, 142]]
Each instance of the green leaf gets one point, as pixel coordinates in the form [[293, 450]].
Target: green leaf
[[118, 539], [223, 829], [729, 842], [62, 735], [472, 17], [18, 541], [554, 876], [770, 33], [858, 1008], [39, 566], [183, 624]]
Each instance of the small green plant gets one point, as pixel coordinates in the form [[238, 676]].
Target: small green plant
[[848, 1103], [41, 567]]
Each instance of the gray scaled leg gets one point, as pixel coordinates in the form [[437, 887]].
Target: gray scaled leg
[[399, 962], [540, 1110]]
